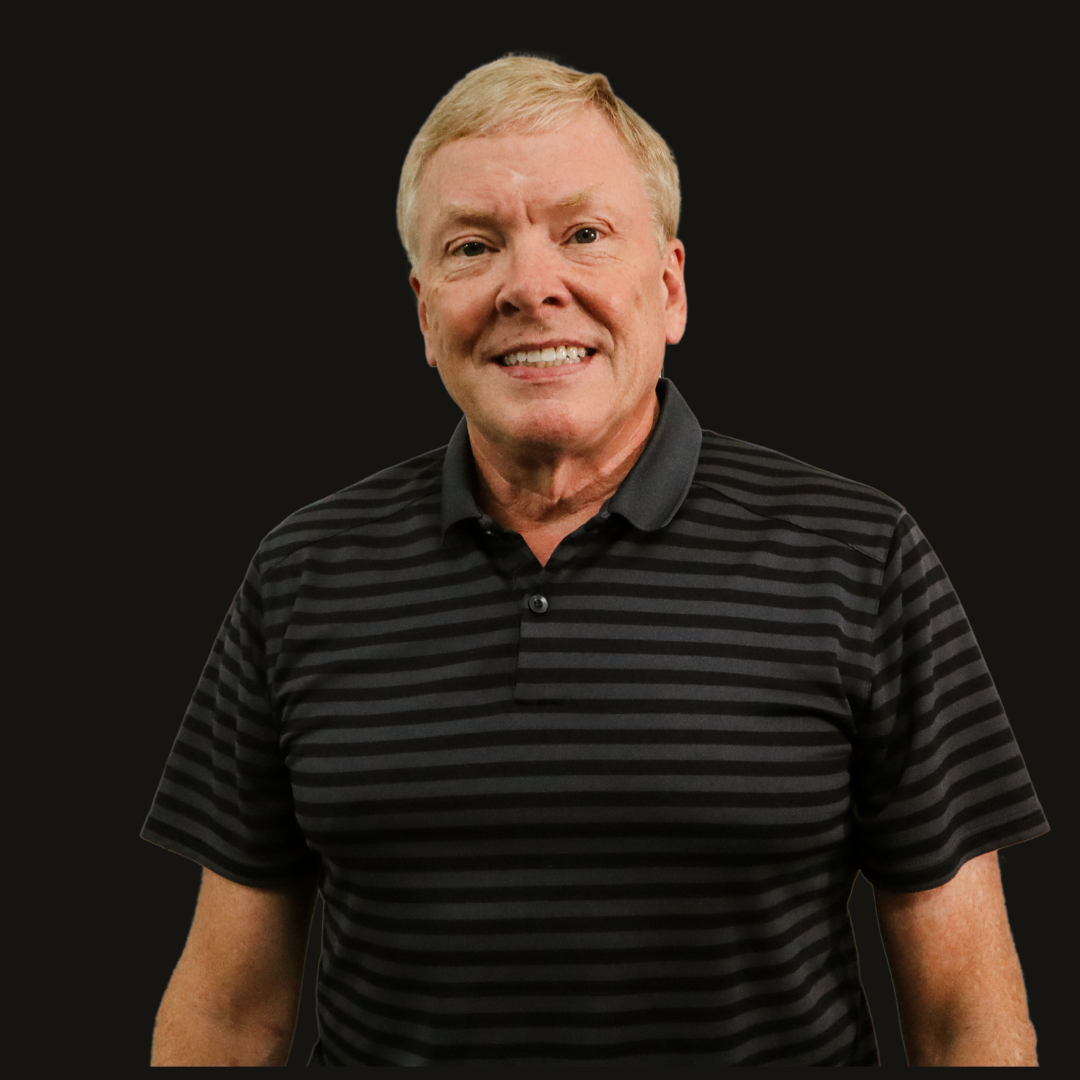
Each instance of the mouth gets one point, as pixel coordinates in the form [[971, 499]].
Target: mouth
[[545, 356]]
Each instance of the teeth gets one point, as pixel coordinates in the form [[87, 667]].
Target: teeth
[[564, 354]]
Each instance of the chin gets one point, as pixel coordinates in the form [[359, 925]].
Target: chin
[[555, 427]]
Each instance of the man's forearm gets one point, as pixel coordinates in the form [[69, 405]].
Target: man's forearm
[[233, 997], [959, 986], [205, 1019], [990, 1038], [193, 1033]]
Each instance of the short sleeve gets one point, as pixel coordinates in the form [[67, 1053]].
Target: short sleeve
[[937, 777], [225, 799]]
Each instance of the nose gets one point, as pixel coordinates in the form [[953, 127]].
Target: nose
[[533, 278]]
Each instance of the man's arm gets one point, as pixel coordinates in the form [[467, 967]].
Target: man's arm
[[958, 981], [233, 997]]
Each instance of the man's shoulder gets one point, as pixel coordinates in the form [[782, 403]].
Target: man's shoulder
[[365, 503], [774, 485]]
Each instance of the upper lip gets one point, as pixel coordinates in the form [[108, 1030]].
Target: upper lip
[[537, 346]]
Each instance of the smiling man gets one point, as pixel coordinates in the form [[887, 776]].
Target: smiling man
[[546, 297], [584, 724]]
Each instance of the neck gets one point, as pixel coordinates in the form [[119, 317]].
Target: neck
[[545, 493]]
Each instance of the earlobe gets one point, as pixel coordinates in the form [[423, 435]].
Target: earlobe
[[421, 314], [675, 285], [431, 359]]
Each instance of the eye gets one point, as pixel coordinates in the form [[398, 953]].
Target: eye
[[586, 236], [472, 248]]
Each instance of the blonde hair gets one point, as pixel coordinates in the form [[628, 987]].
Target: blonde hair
[[533, 95]]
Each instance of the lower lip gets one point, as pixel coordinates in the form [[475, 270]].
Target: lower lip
[[533, 374]]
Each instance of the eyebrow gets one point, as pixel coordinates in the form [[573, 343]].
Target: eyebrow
[[465, 214], [469, 215], [578, 198]]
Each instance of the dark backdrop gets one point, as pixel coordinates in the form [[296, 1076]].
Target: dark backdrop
[[868, 213]]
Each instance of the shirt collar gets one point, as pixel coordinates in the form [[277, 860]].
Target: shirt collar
[[648, 498], [457, 497], [656, 486]]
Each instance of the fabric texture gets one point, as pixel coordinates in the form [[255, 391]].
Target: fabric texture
[[607, 811]]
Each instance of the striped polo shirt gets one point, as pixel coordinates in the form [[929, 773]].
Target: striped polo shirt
[[607, 811]]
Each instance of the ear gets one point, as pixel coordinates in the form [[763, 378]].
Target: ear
[[421, 311], [674, 285]]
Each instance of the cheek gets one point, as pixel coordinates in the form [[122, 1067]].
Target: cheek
[[636, 306], [453, 317]]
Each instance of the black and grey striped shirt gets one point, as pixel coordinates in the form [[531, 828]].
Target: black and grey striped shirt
[[607, 811]]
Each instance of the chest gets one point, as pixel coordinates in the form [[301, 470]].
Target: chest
[[639, 691]]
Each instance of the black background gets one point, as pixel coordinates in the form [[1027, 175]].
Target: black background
[[870, 215]]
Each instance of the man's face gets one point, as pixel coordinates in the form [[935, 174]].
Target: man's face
[[534, 242]]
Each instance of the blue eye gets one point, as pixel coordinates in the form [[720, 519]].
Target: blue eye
[[586, 236], [472, 248]]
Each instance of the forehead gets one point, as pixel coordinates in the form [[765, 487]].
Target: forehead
[[581, 164]]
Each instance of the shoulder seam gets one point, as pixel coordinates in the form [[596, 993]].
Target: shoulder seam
[[348, 528], [814, 469], [794, 524]]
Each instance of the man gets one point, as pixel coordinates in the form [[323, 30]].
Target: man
[[584, 724]]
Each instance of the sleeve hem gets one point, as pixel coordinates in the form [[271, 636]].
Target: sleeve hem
[[226, 868], [942, 873]]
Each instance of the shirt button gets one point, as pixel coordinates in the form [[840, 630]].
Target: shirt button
[[538, 603]]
